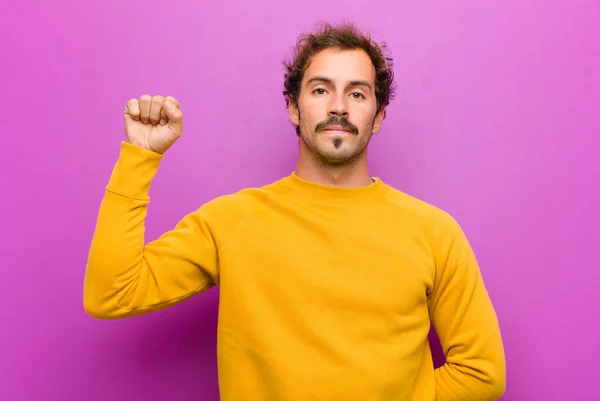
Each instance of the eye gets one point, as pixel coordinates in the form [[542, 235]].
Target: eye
[[319, 91], [357, 95]]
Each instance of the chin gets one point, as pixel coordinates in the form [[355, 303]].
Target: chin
[[335, 156], [324, 148]]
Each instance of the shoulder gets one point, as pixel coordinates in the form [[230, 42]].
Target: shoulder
[[237, 204], [433, 219], [442, 231], [417, 207]]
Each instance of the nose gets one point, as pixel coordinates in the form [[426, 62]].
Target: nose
[[338, 106]]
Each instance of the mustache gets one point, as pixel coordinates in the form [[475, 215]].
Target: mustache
[[336, 121]]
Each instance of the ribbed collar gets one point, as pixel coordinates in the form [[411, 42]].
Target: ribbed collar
[[329, 193]]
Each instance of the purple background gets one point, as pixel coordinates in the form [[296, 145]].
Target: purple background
[[496, 120]]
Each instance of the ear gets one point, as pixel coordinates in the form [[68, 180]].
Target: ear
[[294, 113], [378, 121]]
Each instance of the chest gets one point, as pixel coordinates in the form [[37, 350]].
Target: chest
[[365, 257]]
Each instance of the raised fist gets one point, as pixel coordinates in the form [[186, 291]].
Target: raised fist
[[153, 123]]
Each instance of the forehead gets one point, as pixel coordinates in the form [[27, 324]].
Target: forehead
[[341, 65]]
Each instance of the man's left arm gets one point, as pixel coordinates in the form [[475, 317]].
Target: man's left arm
[[465, 321]]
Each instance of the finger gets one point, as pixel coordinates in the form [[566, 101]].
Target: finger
[[173, 100], [132, 109], [163, 116], [145, 102], [155, 107], [174, 115], [164, 110]]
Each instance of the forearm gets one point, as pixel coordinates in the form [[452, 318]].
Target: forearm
[[118, 278], [475, 367], [116, 266], [455, 382]]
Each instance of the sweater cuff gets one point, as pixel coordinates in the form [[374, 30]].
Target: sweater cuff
[[134, 170]]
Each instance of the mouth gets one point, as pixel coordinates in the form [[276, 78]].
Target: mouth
[[336, 130], [336, 125]]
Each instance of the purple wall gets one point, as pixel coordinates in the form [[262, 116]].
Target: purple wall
[[497, 120]]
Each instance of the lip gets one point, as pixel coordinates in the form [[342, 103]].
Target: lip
[[336, 130]]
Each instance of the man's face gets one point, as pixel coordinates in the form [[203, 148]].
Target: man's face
[[337, 107]]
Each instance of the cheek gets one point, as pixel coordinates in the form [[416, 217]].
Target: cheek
[[367, 115], [311, 113]]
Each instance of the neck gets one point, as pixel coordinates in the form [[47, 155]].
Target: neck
[[350, 174]]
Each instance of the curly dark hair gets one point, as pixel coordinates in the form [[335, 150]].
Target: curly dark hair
[[345, 36]]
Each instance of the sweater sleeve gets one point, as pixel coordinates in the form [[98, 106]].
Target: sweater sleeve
[[465, 321], [126, 277]]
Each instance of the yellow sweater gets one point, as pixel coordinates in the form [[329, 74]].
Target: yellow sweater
[[326, 294]]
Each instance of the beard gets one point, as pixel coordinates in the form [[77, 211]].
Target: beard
[[338, 150], [336, 121]]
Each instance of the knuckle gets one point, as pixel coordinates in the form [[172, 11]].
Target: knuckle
[[145, 98]]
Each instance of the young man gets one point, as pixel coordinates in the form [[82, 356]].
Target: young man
[[329, 278]]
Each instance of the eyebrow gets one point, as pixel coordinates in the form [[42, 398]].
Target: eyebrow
[[358, 82]]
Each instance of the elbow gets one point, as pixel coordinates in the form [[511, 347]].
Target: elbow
[[93, 310], [495, 383], [99, 304], [99, 295], [103, 311], [497, 388], [96, 309]]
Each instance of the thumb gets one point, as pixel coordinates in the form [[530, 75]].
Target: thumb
[[174, 115]]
